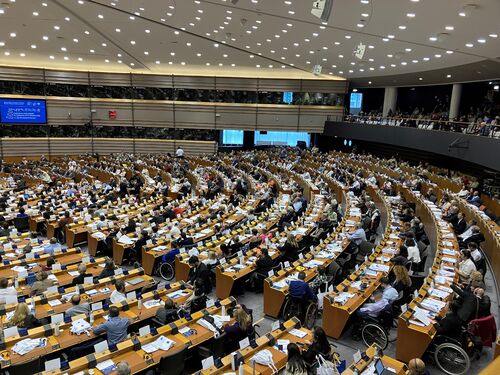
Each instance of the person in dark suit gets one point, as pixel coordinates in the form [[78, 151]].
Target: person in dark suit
[[167, 314], [468, 303], [184, 240], [109, 269], [476, 237], [199, 270], [460, 225], [82, 270], [484, 304], [451, 324]]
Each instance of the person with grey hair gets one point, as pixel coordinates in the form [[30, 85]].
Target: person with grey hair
[[82, 274], [123, 368]]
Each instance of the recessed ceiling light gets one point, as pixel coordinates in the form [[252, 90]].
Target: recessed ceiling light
[[80, 59], [51, 57], [360, 25], [420, 78], [92, 51], [6, 53], [449, 52], [414, 61], [470, 45], [118, 30], [45, 37], [410, 15], [67, 19], [75, 40], [481, 40], [63, 49], [449, 28], [34, 13], [426, 58], [437, 56], [33, 46], [404, 63], [147, 31], [348, 37], [87, 32], [365, 15], [433, 38], [493, 35], [57, 27], [402, 27], [448, 76], [132, 42], [385, 39], [100, 16], [371, 47], [408, 49], [146, 53], [12, 35], [389, 55], [390, 36], [104, 44]]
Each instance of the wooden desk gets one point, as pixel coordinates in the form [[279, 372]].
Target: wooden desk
[[360, 366]]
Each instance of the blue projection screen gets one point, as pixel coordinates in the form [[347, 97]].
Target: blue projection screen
[[23, 111], [232, 137]]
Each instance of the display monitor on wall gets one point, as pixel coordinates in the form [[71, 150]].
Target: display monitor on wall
[[356, 102], [23, 111], [288, 97], [268, 138], [232, 138]]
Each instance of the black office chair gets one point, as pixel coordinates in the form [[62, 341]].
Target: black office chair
[[173, 364], [30, 367], [216, 347], [21, 223]]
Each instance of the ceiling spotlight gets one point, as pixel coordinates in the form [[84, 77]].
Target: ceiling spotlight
[[467, 10]]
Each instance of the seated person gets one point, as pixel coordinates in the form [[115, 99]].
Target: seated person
[[240, 329], [484, 304], [389, 293], [295, 364], [301, 290], [21, 213], [82, 274], [290, 249], [6, 290], [373, 309], [319, 283], [78, 307], [48, 265], [51, 247], [466, 266], [109, 269], [23, 318], [263, 265], [211, 260], [198, 300], [118, 295], [42, 283], [451, 324], [356, 238], [5, 232], [167, 314], [184, 240], [115, 327], [319, 345]]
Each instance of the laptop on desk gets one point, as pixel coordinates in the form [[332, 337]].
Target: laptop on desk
[[380, 369]]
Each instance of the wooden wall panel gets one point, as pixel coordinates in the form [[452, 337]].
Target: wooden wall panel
[[33, 147]]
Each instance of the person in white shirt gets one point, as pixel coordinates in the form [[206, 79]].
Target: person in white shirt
[[466, 266], [413, 251], [180, 152], [6, 290], [118, 295], [175, 231]]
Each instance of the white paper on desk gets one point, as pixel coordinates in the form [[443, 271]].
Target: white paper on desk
[[54, 302], [298, 333], [207, 363], [73, 273], [416, 322], [10, 332], [131, 296], [126, 240], [275, 325], [52, 290], [421, 316], [151, 303], [88, 280], [105, 365], [143, 331], [56, 267], [54, 364], [57, 318]]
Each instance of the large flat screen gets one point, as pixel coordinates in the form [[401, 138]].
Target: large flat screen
[[23, 111], [232, 138], [263, 138]]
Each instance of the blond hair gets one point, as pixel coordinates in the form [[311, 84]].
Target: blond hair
[[401, 274], [20, 314], [244, 320]]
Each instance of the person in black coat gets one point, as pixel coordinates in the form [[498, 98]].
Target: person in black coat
[[184, 240], [200, 271], [319, 345], [167, 314], [468, 303], [451, 324], [461, 224]]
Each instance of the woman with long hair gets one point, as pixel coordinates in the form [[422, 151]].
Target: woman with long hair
[[295, 364], [402, 279], [240, 329], [290, 249], [23, 318], [319, 345]]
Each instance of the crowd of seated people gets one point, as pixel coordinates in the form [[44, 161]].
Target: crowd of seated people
[[471, 303]]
